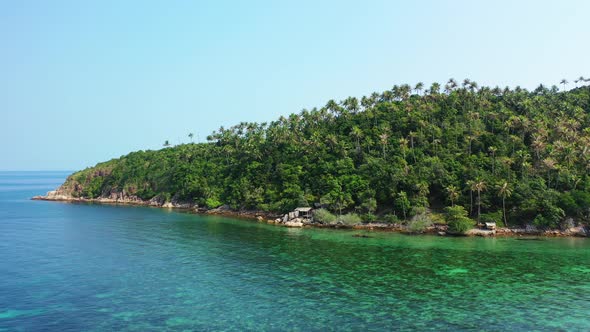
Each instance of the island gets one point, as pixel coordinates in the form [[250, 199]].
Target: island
[[454, 159]]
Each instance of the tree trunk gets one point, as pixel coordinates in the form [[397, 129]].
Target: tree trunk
[[413, 153], [504, 209], [471, 203], [494, 164], [478, 205]]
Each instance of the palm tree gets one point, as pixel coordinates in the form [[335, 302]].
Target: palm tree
[[419, 86], [453, 194], [423, 191], [412, 135], [166, 143], [497, 91], [580, 79], [332, 141], [405, 90], [504, 191], [403, 145], [493, 151], [564, 82], [478, 186], [470, 187], [470, 140], [366, 102], [351, 104], [550, 164], [434, 88], [466, 83], [384, 139], [357, 133], [523, 158], [538, 145], [190, 135], [451, 85]]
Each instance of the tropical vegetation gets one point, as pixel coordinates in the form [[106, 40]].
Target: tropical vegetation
[[511, 155]]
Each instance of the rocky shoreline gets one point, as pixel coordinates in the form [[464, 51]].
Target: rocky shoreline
[[280, 220]]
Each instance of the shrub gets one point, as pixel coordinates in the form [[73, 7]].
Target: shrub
[[369, 217], [417, 210], [212, 203], [324, 216], [457, 220], [550, 216], [402, 203], [568, 204], [437, 219], [93, 188], [419, 223], [495, 217], [391, 218], [583, 201], [575, 203], [350, 219]]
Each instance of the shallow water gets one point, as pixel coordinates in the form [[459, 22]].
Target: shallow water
[[72, 267]]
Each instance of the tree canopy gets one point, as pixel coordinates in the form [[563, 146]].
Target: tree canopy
[[523, 153]]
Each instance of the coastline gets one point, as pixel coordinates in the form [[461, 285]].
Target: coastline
[[273, 218]]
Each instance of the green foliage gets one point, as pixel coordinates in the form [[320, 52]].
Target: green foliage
[[493, 217], [402, 203], [391, 219], [457, 220], [419, 223], [165, 197], [437, 218], [93, 188], [350, 219], [550, 216], [369, 217], [396, 151], [324, 216], [575, 203], [369, 204], [212, 203]]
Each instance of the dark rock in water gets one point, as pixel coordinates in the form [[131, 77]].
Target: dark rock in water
[[362, 235], [529, 239]]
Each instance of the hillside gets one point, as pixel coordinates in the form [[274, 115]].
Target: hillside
[[386, 156]]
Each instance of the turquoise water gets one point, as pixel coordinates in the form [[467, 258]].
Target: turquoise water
[[73, 267]]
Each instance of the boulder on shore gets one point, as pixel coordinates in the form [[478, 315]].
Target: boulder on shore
[[577, 231], [480, 232], [294, 223]]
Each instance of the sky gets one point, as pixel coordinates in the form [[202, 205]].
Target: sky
[[87, 81]]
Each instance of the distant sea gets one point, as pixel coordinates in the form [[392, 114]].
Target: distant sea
[[84, 267]]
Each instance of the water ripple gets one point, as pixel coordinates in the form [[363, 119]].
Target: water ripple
[[90, 267]]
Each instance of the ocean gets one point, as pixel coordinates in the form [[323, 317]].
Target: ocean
[[90, 267]]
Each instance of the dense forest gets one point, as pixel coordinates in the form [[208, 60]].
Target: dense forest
[[508, 155]]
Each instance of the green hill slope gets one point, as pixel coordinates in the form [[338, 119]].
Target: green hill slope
[[394, 153]]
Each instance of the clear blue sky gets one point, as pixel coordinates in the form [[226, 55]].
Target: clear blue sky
[[87, 81]]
